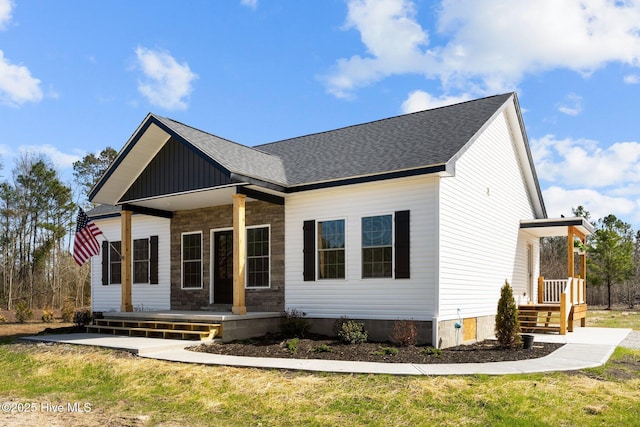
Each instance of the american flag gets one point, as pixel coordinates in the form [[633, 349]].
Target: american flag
[[85, 244]]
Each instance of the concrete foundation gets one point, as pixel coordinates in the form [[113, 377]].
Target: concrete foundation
[[450, 336], [377, 330]]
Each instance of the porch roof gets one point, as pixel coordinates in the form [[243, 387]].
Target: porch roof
[[551, 227]]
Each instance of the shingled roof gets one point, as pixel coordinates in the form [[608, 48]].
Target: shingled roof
[[417, 143], [417, 140]]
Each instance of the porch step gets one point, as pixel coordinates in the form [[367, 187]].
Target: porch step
[[157, 329], [542, 318]]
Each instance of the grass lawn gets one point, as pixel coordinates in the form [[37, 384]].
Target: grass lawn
[[124, 390], [614, 318]]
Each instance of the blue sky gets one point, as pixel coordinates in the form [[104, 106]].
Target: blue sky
[[77, 76]]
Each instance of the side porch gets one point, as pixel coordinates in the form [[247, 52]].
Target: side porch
[[557, 304]]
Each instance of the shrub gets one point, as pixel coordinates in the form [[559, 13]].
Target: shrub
[[404, 333], [2, 319], [386, 351], [507, 324], [82, 316], [47, 314], [293, 323], [352, 332], [323, 348], [67, 311], [432, 351], [23, 312], [292, 345]]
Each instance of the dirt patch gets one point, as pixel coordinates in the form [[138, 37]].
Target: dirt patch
[[16, 330], [318, 347]]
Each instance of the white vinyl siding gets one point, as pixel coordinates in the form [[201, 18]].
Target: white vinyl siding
[[480, 212], [144, 296], [380, 298]]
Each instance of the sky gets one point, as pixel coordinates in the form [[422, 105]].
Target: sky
[[77, 76]]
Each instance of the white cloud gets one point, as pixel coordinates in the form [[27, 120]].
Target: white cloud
[[632, 79], [17, 86], [491, 44], [572, 106], [167, 83], [560, 201], [59, 159], [253, 4], [581, 162], [5, 13], [419, 100]]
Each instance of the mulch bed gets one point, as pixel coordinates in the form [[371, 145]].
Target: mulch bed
[[320, 347]]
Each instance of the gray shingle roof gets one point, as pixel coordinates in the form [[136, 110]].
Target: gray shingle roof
[[426, 138]]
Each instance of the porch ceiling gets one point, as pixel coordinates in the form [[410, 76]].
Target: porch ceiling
[[552, 227]]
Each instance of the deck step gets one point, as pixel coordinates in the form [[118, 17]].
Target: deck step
[[540, 318], [157, 329]]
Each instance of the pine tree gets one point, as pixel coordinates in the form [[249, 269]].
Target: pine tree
[[507, 324]]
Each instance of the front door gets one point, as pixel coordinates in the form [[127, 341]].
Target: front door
[[223, 267]]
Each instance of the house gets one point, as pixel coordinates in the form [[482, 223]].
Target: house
[[421, 216]]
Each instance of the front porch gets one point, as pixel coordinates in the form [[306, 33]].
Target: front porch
[[558, 303]]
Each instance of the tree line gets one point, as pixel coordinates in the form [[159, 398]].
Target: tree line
[[613, 261], [37, 223]]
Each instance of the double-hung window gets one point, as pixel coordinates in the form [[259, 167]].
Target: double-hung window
[[377, 246], [258, 257], [115, 263], [141, 261], [331, 249], [192, 260]]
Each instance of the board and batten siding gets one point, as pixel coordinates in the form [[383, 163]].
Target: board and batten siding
[[481, 244], [354, 296], [144, 296]]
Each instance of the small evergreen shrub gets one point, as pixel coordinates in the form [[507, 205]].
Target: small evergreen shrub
[[507, 324], [82, 316], [404, 333], [47, 314], [68, 309], [23, 312], [294, 324], [352, 332]]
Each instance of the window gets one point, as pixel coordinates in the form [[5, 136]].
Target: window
[[331, 255], [258, 257], [377, 246], [192, 260], [115, 263], [141, 261]]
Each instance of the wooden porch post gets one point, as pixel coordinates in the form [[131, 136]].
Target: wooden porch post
[[540, 289], [125, 218], [239, 245], [570, 259]]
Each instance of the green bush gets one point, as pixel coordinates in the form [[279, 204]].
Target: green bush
[[23, 312], [47, 314], [82, 316], [292, 345], [386, 351], [293, 323], [323, 348], [68, 309], [432, 351], [507, 324], [352, 332]]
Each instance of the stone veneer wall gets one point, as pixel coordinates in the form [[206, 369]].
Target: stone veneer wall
[[206, 219]]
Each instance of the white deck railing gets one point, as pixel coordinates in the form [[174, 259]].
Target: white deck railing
[[554, 288]]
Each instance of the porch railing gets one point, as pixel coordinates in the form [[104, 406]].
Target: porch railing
[[550, 290]]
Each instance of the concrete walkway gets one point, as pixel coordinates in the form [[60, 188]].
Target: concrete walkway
[[584, 348]]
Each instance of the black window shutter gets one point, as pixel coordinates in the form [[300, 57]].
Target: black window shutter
[[105, 263], [309, 250], [153, 261], [402, 245]]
